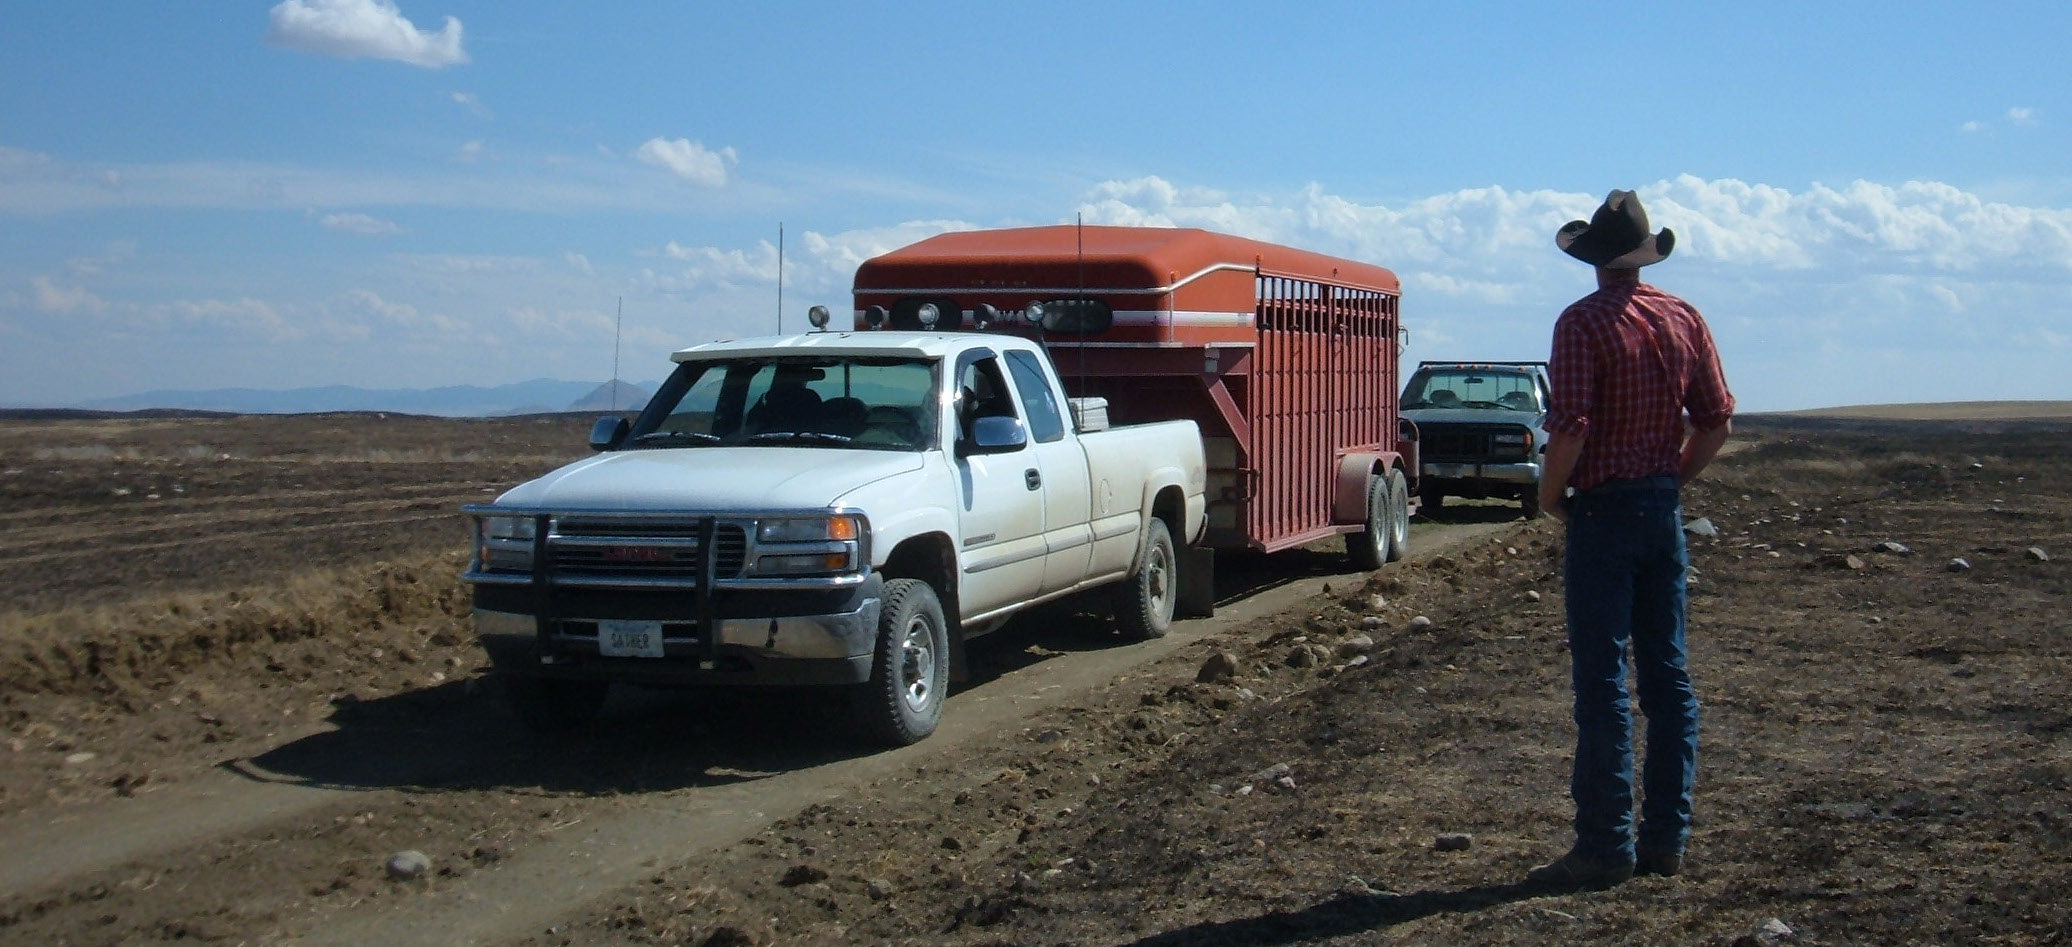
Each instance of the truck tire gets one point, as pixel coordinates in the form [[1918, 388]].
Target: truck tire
[[548, 705], [1530, 502], [1399, 515], [1144, 601], [1369, 547], [910, 671]]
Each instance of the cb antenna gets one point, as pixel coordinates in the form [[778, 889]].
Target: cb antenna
[[780, 277], [618, 331]]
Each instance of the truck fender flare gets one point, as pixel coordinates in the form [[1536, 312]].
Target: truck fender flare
[[1192, 516]]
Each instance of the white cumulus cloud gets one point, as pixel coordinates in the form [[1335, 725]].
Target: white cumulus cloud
[[688, 160], [370, 29]]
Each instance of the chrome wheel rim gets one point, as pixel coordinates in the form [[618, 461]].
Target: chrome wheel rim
[[917, 665]]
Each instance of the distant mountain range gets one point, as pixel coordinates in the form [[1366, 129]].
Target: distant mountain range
[[540, 396]]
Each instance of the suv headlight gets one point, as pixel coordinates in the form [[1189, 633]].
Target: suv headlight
[[811, 545], [504, 543]]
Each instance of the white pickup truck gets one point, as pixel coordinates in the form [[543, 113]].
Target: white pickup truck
[[827, 509]]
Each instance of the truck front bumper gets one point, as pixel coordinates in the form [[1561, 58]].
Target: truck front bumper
[[752, 642], [1514, 474]]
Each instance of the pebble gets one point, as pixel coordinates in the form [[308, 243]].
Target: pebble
[[1357, 644], [408, 864], [1532, 595], [1453, 842], [82, 756], [2037, 553], [1373, 621], [1892, 548], [1959, 564], [879, 889], [1702, 526], [1420, 623]]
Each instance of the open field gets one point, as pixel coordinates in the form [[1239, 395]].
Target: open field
[[234, 678]]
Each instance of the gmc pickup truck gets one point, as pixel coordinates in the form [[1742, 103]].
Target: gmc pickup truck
[[837, 509], [1481, 430]]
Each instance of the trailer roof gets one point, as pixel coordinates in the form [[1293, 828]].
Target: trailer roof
[[1110, 258]]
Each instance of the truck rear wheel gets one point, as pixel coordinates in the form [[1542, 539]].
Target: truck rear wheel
[[1144, 601], [910, 671], [1399, 515], [1369, 547], [547, 705]]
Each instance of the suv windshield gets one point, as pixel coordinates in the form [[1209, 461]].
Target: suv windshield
[[864, 403], [1462, 388]]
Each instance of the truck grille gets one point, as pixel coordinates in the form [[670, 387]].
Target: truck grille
[[1471, 443], [588, 548]]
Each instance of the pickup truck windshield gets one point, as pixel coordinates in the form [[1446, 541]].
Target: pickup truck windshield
[[851, 402], [1445, 388]]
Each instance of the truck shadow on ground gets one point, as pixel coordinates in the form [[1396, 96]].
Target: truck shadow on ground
[[459, 736]]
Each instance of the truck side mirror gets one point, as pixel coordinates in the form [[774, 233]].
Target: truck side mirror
[[994, 435], [609, 432]]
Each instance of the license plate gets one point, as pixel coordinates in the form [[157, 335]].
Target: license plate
[[629, 639]]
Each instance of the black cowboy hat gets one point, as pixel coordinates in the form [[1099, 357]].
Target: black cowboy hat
[[1616, 237]]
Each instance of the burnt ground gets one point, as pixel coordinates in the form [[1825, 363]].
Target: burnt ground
[[1887, 737]]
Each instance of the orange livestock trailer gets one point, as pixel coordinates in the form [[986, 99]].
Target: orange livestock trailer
[[1286, 358]]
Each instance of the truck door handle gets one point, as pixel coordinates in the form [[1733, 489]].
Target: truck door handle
[[1032, 478]]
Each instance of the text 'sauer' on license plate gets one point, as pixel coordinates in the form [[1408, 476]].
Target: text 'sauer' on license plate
[[629, 639]]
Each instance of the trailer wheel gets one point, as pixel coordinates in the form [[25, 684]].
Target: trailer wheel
[[1399, 515], [1369, 547], [548, 705], [1430, 499], [902, 702], [1144, 601]]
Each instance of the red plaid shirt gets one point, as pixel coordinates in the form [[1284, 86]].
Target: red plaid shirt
[[1629, 362]]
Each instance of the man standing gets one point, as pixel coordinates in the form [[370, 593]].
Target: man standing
[[1630, 363]]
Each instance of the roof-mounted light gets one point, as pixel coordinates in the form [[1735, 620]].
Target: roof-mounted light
[[984, 314], [928, 315], [818, 316], [874, 317], [1033, 314]]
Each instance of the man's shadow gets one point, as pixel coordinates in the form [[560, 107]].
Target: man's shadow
[[1347, 913]]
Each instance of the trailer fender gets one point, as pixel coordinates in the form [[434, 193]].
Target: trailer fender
[[1349, 494]]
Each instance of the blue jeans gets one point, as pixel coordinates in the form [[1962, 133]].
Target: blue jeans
[[1625, 582]]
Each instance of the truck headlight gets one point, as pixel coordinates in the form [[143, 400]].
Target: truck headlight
[[811, 545], [806, 529], [504, 543]]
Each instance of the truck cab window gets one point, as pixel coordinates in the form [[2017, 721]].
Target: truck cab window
[[981, 393], [1046, 421]]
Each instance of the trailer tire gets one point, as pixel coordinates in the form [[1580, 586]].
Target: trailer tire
[[1430, 499], [1399, 515], [1144, 601], [550, 705], [902, 702], [1369, 547]]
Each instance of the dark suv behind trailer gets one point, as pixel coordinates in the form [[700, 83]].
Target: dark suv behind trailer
[[1481, 430]]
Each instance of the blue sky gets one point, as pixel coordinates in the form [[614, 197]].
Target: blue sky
[[1873, 201]]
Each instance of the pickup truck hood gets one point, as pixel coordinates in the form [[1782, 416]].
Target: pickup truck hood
[[711, 478], [1470, 416]]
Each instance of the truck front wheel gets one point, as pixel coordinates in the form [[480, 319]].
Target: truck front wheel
[[902, 702], [1144, 601], [546, 705]]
